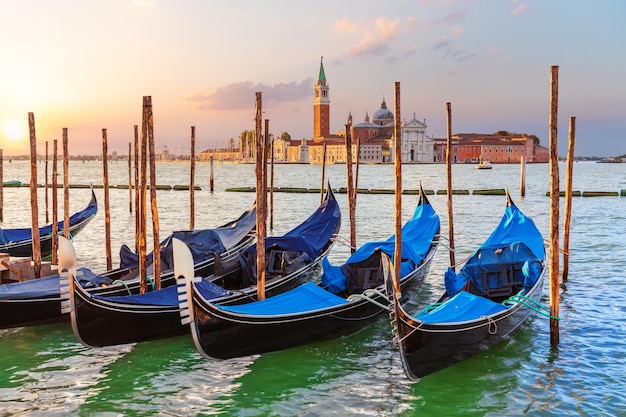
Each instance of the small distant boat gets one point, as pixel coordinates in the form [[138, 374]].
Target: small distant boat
[[483, 165]]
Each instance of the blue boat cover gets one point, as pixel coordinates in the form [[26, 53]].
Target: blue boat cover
[[166, 296], [310, 236], [48, 286], [417, 236], [306, 297], [202, 243], [462, 307], [521, 243], [26, 233]]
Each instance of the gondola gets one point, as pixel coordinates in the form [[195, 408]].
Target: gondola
[[19, 242], [347, 298], [496, 291], [290, 259], [39, 301]]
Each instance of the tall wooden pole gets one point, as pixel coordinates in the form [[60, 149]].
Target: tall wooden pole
[[522, 177], [211, 176], [260, 211], [107, 210], [143, 278], [46, 184], [266, 139], [323, 172], [66, 186], [33, 196], [397, 162], [154, 209], [358, 160], [449, 185], [554, 206], [350, 188], [137, 208], [55, 203], [192, 175], [1, 186], [569, 172], [272, 188], [130, 175]]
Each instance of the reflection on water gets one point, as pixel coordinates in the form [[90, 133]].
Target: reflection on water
[[45, 371]]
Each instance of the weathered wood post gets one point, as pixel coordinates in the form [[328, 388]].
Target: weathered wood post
[[143, 277], [569, 173], [266, 140], [66, 185], [130, 183], [554, 206], [192, 182], [522, 177], [272, 188], [1, 186], [358, 160], [323, 172], [33, 196], [154, 209], [397, 162], [350, 189], [260, 211], [211, 176], [449, 184], [107, 210], [46, 184], [137, 203], [55, 203]]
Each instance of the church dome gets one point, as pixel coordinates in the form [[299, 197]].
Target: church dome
[[383, 113]]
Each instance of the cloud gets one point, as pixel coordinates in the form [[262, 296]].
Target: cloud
[[240, 96], [376, 35], [519, 9], [369, 46]]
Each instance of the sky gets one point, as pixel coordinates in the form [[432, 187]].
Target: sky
[[86, 66]]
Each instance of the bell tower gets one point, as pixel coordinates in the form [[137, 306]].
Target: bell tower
[[321, 105]]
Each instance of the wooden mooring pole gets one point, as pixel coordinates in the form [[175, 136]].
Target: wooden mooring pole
[[46, 184], [192, 175], [323, 172], [554, 206], [272, 188], [211, 176], [107, 209], [358, 163], [569, 173], [154, 209], [143, 278], [260, 210], [137, 208], [55, 203], [1, 186], [33, 196], [350, 189], [130, 175], [397, 162], [522, 177], [449, 184]]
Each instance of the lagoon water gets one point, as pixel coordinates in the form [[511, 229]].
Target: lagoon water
[[45, 371]]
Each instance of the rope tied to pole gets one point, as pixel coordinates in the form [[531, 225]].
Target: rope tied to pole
[[531, 304]]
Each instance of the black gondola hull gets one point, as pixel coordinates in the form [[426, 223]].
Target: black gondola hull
[[220, 335], [426, 349]]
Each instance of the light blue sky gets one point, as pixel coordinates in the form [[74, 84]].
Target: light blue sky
[[87, 65]]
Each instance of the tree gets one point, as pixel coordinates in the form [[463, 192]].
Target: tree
[[285, 136]]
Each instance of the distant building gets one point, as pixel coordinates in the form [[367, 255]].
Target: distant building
[[222, 154], [497, 149]]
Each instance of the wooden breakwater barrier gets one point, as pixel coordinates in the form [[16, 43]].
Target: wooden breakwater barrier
[[484, 191], [121, 186]]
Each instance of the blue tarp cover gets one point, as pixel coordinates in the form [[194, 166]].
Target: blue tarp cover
[[203, 244], [20, 234], [48, 286], [166, 296], [462, 307], [306, 297], [417, 236]]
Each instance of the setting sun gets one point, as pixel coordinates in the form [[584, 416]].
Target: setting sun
[[13, 130]]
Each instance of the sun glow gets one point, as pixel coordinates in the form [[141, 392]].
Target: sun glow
[[13, 131]]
